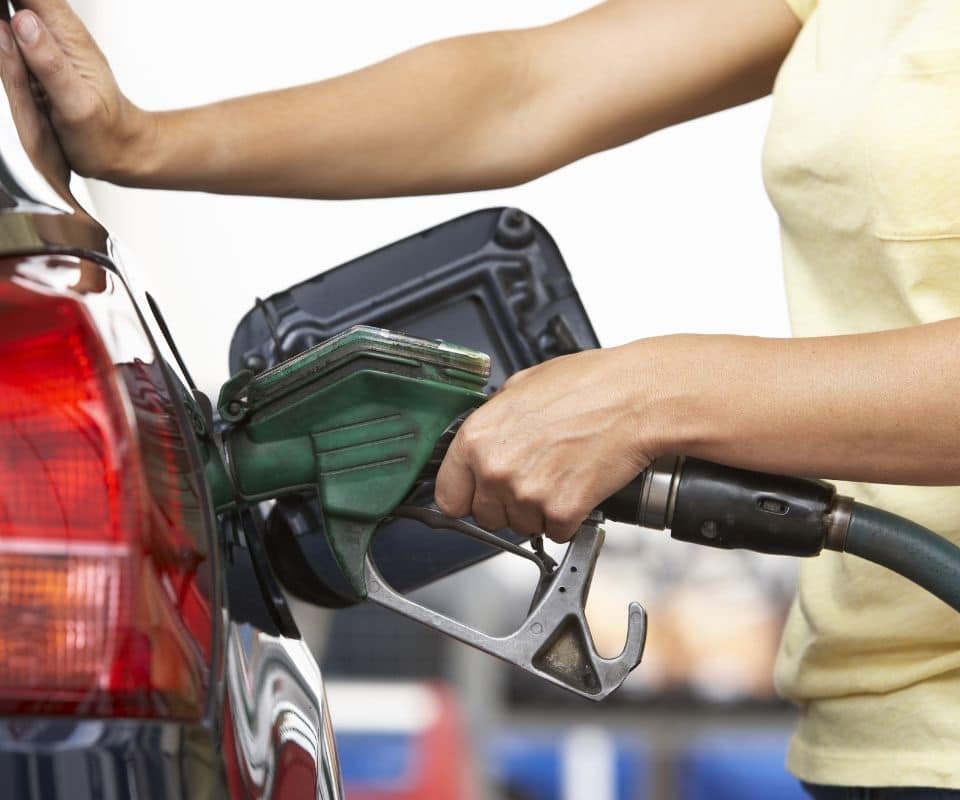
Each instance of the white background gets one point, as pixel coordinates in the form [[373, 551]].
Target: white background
[[672, 233]]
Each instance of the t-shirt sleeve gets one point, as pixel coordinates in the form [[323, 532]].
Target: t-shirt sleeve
[[802, 8]]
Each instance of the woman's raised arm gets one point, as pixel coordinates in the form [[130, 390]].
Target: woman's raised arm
[[473, 112]]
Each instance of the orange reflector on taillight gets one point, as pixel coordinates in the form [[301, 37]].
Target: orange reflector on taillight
[[84, 624], [60, 616]]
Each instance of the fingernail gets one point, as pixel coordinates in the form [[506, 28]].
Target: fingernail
[[27, 28], [6, 40]]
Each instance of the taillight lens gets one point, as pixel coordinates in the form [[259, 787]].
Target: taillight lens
[[95, 575]]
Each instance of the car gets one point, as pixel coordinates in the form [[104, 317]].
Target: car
[[147, 645], [123, 671]]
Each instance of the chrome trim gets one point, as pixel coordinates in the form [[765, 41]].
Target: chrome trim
[[838, 523], [659, 492]]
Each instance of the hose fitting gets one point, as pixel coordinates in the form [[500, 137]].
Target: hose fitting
[[720, 506], [650, 498], [838, 523]]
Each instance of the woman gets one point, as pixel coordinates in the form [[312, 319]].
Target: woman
[[861, 163]]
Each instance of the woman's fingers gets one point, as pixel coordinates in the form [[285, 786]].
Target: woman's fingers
[[97, 130], [50, 9], [459, 491], [489, 512], [68, 94], [16, 83], [32, 125], [12, 70], [552, 444], [61, 20], [525, 519], [455, 484]]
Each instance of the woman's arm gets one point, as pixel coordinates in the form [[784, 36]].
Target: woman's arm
[[469, 113], [563, 436]]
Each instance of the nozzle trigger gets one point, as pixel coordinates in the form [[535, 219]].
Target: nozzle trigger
[[554, 642]]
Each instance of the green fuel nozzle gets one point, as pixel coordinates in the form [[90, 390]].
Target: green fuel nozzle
[[362, 420], [354, 418]]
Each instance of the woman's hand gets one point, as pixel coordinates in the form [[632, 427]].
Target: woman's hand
[[98, 129], [562, 437], [558, 439]]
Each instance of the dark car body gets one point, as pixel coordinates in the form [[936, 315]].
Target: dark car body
[[257, 723]]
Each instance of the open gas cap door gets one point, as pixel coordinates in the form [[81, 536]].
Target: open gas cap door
[[492, 281]]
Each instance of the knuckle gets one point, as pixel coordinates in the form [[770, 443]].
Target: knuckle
[[50, 65], [529, 494], [496, 471], [83, 113], [523, 497], [469, 438]]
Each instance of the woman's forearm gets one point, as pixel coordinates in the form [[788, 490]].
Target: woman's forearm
[[474, 112], [563, 436], [469, 113], [413, 124], [879, 407]]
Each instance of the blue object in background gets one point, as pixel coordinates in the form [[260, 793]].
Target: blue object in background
[[737, 765], [375, 760], [527, 764], [563, 765]]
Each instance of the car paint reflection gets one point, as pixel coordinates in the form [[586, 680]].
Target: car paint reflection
[[282, 737]]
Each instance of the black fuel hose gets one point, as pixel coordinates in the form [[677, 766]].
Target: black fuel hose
[[721, 506], [909, 549]]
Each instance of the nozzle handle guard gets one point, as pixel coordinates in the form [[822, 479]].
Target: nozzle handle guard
[[554, 642]]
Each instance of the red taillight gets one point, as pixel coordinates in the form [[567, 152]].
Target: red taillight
[[93, 575]]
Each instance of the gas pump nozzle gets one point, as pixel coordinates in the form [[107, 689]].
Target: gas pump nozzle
[[362, 419]]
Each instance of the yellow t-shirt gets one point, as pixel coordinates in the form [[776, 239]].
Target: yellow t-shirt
[[862, 162]]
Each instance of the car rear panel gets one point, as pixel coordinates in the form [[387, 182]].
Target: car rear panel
[[208, 708]]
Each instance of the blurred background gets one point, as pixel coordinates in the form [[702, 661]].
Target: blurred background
[[672, 233]]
